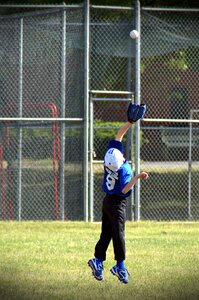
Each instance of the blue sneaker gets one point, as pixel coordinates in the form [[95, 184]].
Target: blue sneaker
[[97, 268], [122, 274]]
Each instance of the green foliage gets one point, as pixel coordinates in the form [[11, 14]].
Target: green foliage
[[37, 143], [105, 131], [113, 127], [178, 61], [191, 55]]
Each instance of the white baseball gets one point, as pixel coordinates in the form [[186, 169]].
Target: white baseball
[[134, 34]]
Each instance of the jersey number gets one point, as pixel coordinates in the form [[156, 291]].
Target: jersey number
[[110, 182]]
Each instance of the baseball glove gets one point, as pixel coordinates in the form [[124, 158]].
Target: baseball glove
[[135, 112]]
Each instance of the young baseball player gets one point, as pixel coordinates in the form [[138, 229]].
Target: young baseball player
[[117, 184]]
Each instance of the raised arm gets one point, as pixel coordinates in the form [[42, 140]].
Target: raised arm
[[122, 131], [134, 113]]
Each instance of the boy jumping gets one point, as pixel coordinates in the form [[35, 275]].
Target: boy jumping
[[117, 184]]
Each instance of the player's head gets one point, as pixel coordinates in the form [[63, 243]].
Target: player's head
[[117, 145], [114, 156]]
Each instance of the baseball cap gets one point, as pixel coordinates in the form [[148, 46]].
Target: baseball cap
[[113, 159], [116, 144]]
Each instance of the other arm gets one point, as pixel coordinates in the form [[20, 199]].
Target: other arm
[[131, 183]]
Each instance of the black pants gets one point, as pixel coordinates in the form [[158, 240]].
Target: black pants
[[113, 227]]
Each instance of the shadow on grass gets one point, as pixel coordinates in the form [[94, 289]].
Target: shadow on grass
[[17, 289]]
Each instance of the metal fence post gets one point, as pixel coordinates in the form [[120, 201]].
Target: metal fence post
[[91, 158], [129, 143], [190, 166], [137, 100], [20, 115], [63, 106], [86, 105]]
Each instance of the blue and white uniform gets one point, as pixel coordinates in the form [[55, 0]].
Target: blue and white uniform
[[115, 181], [117, 173]]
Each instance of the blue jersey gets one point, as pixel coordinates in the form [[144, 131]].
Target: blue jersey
[[115, 181]]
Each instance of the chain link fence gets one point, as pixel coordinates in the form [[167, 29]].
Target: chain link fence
[[111, 49], [169, 86], [169, 83], [41, 76], [42, 61]]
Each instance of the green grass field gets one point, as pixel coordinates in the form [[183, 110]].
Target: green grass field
[[48, 260]]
